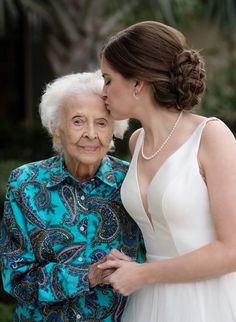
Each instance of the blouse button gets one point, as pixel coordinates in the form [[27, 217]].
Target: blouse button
[[80, 259], [82, 197], [78, 316], [82, 228]]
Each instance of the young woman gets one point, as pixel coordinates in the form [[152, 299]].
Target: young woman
[[181, 184]]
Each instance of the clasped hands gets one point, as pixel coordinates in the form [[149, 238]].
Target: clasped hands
[[118, 270]]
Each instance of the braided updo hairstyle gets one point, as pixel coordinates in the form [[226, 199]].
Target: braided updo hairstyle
[[156, 53]]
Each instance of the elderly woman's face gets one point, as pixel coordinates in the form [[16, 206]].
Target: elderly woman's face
[[86, 129]]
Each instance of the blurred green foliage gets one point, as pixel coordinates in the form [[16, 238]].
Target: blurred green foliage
[[19, 144], [220, 98], [27, 142], [5, 168], [7, 312]]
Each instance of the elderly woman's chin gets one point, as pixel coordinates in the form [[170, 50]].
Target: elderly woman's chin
[[82, 157], [91, 157], [92, 153]]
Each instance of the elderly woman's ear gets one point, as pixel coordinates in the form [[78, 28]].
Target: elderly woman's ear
[[56, 136], [56, 140]]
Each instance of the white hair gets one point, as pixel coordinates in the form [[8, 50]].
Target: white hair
[[61, 89]]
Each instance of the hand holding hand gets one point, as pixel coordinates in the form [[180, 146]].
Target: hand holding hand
[[126, 278], [97, 275]]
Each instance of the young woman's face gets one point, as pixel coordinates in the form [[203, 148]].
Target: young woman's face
[[118, 92]]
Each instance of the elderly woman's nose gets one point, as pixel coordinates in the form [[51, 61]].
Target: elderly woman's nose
[[91, 131]]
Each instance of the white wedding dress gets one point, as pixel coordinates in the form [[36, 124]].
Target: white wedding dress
[[181, 222]]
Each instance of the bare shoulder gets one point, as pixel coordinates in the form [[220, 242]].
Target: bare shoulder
[[133, 140], [217, 139], [217, 131]]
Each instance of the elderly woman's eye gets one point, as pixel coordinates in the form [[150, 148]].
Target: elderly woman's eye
[[77, 121], [102, 123]]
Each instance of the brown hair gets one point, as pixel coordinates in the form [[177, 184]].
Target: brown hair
[[154, 52]]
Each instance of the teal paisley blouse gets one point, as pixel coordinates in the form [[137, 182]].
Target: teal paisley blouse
[[53, 228]]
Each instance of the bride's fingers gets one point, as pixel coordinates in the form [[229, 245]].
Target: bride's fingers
[[110, 264], [108, 272], [119, 255], [107, 280]]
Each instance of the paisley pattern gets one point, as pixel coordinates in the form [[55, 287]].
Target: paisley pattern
[[53, 229]]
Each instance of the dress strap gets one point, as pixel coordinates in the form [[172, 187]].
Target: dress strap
[[138, 144], [199, 130]]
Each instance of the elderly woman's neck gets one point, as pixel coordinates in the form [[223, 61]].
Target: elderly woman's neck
[[82, 171]]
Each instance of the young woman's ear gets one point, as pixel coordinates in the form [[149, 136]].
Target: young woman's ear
[[138, 85]]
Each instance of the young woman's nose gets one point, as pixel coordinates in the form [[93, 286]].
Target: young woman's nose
[[104, 92]]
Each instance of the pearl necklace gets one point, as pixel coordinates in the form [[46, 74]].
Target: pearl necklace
[[164, 143]]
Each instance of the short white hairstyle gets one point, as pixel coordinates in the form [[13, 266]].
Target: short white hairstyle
[[65, 87]]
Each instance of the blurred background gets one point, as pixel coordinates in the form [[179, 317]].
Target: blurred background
[[41, 40]]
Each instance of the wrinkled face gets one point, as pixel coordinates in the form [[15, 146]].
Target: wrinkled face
[[118, 92], [86, 130]]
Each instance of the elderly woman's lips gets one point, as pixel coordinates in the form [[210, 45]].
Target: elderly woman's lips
[[89, 148]]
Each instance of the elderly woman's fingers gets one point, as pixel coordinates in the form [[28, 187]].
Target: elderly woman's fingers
[[97, 275]]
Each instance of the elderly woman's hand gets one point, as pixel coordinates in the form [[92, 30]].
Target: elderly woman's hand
[[97, 275]]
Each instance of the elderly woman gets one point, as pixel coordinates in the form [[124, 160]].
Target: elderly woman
[[64, 214]]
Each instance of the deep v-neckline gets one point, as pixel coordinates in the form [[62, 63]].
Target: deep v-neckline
[[157, 173]]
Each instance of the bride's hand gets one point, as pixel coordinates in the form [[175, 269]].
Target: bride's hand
[[127, 277]]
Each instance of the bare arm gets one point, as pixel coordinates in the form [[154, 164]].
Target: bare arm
[[217, 159]]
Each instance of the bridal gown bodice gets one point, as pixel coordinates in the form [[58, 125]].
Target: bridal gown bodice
[[179, 222], [177, 201]]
